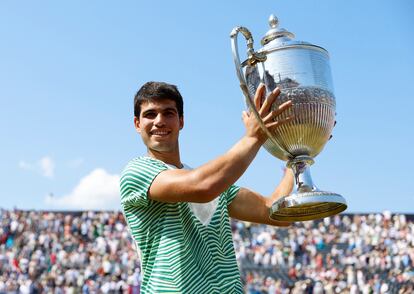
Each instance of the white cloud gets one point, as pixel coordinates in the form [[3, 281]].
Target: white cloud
[[44, 166], [98, 190]]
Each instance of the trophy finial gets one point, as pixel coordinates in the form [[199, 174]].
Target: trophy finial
[[275, 32], [273, 21]]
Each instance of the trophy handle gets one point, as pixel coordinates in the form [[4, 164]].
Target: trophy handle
[[252, 59]]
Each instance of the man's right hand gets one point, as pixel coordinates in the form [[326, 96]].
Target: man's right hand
[[269, 117]]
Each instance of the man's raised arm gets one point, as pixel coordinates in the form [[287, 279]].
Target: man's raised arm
[[208, 181]]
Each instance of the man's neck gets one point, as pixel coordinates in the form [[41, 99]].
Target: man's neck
[[172, 158]]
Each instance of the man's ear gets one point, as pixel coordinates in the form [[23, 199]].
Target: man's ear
[[137, 124], [181, 122]]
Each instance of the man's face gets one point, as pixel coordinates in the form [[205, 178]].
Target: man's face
[[159, 125]]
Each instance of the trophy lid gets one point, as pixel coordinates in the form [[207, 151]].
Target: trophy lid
[[276, 32], [277, 38]]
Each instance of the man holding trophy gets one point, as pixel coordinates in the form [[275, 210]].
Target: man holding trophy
[[178, 216]]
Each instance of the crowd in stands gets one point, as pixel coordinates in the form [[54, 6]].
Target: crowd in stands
[[92, 252], [342, 254]]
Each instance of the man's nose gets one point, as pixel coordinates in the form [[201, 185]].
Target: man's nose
[[159, 120]]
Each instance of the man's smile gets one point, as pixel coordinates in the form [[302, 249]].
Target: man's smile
[[160, 133]]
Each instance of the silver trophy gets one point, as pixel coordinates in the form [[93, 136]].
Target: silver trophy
[[301, 70]]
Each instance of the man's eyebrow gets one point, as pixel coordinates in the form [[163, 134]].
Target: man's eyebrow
[[164, 109], [170, 109], [148, 111]]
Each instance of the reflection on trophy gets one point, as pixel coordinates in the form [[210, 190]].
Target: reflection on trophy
[[301, 70]]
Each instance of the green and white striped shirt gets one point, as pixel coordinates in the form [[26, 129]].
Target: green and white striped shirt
[[179, 254]]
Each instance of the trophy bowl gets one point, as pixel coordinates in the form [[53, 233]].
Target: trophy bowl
[[302, 72]]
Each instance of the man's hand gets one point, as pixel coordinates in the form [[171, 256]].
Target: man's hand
[[269, 118]]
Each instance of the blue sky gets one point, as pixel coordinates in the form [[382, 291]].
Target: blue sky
[[69, 71]]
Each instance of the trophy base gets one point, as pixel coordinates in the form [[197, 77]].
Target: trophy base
[[306, 206]]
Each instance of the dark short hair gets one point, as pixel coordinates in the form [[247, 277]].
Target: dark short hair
[[156, 91]]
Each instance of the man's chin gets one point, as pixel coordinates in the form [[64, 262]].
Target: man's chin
[[162, 148]]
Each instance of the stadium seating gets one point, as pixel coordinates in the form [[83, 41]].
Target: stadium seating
[[92, 252]]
